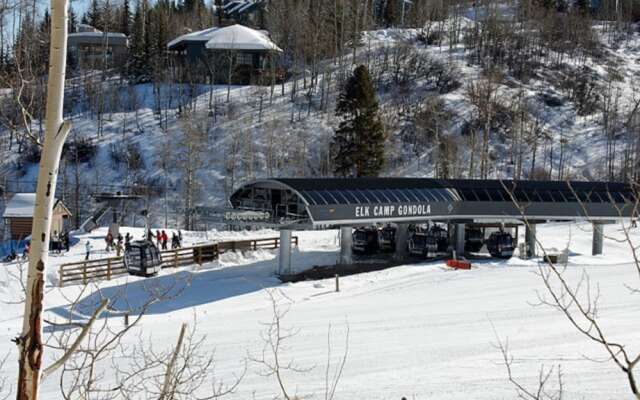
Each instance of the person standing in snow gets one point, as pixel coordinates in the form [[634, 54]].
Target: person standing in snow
[[165, 239], [55, 242], [25, 252], [149, 235], [127, 241], [158, 239], [174, 241], [119, 248], [65, 241], [109, 240], [179, 238], [88, 248]]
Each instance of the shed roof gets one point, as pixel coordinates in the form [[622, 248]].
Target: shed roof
[[22, 205]]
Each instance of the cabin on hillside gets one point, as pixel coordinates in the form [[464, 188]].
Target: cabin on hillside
[[18, 216], [90, 48], [233, 54]]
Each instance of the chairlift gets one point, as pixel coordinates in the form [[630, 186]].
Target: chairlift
[[142, 258]]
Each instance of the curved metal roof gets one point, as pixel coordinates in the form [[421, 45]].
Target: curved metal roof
[[335, 201]]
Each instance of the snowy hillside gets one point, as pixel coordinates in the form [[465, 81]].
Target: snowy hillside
[[539, 128], [421, 331]]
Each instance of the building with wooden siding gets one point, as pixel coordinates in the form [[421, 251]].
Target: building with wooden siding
[[18, 215]]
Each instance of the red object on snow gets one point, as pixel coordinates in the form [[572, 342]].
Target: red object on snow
[[459, 264]]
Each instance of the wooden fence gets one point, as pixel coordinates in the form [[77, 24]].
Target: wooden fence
[[106, 268]]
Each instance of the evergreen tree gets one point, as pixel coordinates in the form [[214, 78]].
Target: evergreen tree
[[219, 12], [94, 15], [139, 64], [390, 13], [41, 56], [125, 18], [73, 20], [359, 140], [583, 6]]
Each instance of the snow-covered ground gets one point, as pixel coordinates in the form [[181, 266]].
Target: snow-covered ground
[[421, 331]]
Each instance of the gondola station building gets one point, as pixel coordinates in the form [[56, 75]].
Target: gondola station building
[[464, 206]]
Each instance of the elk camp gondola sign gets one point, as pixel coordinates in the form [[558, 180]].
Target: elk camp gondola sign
[[377, 212], [405, 210]]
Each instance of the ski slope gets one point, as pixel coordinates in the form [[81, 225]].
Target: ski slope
[[421, 331]]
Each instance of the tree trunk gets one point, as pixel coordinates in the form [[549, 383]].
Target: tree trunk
[[56, 130]]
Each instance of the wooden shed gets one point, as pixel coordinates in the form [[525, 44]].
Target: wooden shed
[[18, 215]]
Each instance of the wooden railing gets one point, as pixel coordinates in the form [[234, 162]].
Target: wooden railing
[[106, 268]]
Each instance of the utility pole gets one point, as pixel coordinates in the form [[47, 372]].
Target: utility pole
[[29, 342]]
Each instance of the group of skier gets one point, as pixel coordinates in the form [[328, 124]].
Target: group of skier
[[59, 242], [162, 239]]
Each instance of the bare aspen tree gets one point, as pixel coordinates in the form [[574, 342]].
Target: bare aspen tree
[[30, 340], [183, 372], [483, 94], [546, 387]]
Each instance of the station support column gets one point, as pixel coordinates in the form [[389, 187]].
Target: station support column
[[284, 259], [598, 239], [530, 239], [346, 239], [459, 240], [402, 235]]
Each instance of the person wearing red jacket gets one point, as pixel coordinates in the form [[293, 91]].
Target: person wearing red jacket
[[165, 239]]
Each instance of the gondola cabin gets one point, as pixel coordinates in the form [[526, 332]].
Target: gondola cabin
[[142, 258], [365, 241], [474, 240], [500, 245], [387, 239], [422, 244]]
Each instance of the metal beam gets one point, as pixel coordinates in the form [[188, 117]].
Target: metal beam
[[346, 240], [459, 240], [530, 239], [402, 235], [598, 239], [284, 259]]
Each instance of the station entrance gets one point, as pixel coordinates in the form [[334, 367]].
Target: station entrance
[[420, 216]]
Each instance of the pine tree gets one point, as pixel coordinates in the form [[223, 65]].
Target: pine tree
[[583, 6], [359, 140], [390, 13], [73, 20], [125, 18], [219, 12], [138, 64], [94, 15]]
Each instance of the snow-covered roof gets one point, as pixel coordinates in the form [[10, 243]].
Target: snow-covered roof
[[198, 36], [21, 205], [113, 38], [98, 34], [239, 37]]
